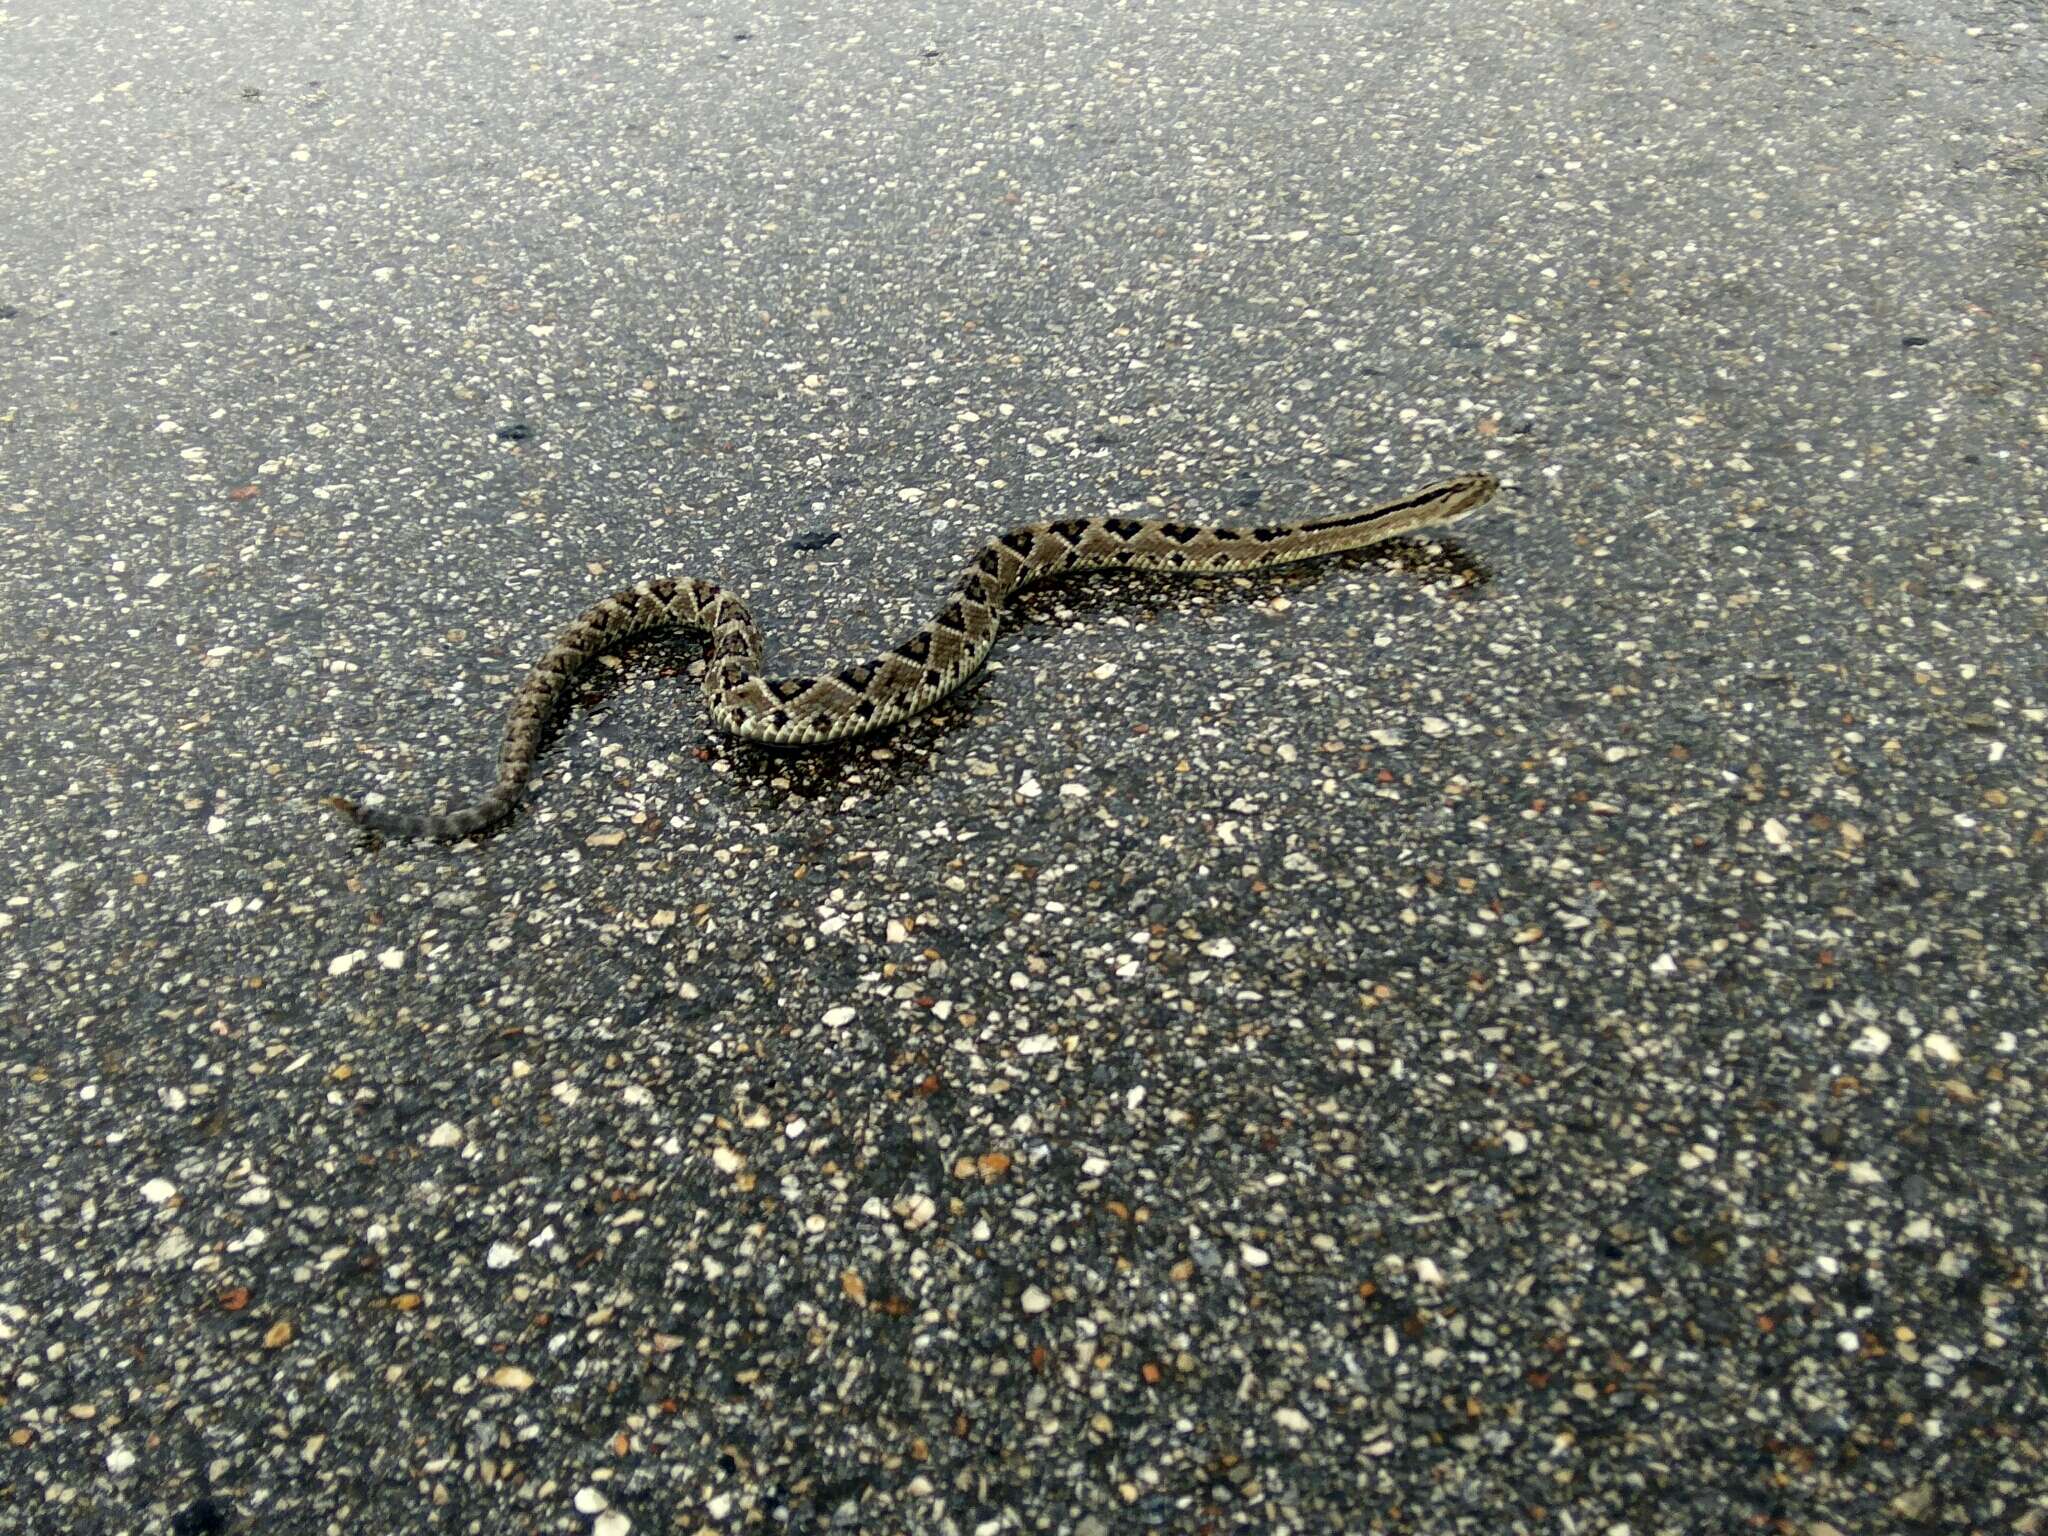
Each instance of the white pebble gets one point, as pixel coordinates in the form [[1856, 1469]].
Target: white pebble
[[157, 1191], [502, 1256], [1942, 1049], [446, 1134], [1848, 1342], [610, 1523], [1034, 1301], [391, 959], [1427, 1272], [1291, 1418], [1037, 1045], [590, 1502], [1872, 1042], [1865, 1173], [120, 1459], [838, 1016], [1254, 1256], [341, 965]]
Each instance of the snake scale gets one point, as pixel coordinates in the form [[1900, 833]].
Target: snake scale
[[909, 677]]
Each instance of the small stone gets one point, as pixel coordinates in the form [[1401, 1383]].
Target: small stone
[[589, 1501], [1942, 1049], [1034, 1301], [1291, 1419], [511, 1377], [611, 1523], [834, 1017], [1872, 1042], [446, 1134], [1915, 1502], [120, 1459], [157, 1191], [277, 1335], [501, 1256], [607, 839], [1253, 1256]]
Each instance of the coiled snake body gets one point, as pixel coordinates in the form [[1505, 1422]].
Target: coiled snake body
[[909, 677]]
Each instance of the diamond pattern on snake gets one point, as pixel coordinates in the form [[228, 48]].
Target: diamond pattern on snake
[[913, 675]]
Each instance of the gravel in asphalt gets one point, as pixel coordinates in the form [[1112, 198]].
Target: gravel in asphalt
[[1538, 1032]]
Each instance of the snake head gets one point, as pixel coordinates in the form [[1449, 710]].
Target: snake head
[[1463, 495]]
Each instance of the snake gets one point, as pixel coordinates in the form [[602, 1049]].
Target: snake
[[916, 673]]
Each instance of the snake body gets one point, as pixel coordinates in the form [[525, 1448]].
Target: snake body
[[915, 674]]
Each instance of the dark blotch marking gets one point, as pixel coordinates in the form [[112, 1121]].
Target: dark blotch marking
[[916, 648], [817, 538], [202, 1517], [513, 432]]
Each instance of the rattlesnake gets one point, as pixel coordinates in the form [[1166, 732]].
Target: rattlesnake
[[914, 675]]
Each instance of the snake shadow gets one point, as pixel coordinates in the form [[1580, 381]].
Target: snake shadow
[[904, 753]]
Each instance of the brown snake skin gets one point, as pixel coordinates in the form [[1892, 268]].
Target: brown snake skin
[[909, 677]]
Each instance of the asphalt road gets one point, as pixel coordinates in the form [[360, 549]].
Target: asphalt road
[[1539, 1033]]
